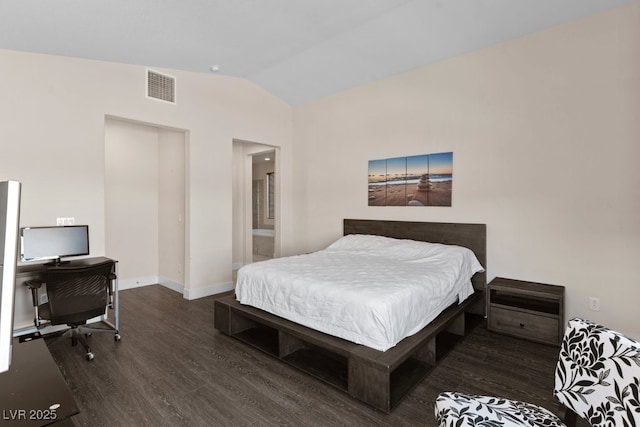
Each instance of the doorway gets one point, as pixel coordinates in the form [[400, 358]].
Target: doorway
[[255, 203], [263, 205], [145, 199]]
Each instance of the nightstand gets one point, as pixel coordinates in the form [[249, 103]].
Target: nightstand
[[534, 311]]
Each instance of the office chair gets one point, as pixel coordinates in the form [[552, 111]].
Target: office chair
[[597, 378], [75, 295]]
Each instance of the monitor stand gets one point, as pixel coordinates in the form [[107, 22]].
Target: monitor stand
[[56, 263]]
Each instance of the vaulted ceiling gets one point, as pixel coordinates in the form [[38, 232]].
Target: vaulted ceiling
[[296, 49]]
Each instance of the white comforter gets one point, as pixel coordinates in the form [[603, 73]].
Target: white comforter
[[370, 290]]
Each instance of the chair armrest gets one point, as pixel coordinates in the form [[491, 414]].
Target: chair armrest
[[34, 284], [112, 277]]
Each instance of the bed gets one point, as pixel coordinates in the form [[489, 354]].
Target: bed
[[378, 367]]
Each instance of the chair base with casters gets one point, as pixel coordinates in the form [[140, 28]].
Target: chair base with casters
[[76, 295], [79, 333], [597, 378]]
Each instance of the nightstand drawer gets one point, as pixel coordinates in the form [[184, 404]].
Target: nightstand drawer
[[524, 325]]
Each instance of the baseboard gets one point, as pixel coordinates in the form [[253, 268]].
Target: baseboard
[[191, 294], [170, 284], [137, 282], [207, 291]]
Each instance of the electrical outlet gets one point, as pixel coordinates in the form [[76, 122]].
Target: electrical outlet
[[594, 304], [44, 299]]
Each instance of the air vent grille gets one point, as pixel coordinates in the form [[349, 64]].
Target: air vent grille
[[160, 86]]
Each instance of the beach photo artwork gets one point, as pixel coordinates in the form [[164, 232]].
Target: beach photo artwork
[[423, 180]]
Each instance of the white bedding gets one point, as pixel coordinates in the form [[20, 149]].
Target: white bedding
[[370, 290]]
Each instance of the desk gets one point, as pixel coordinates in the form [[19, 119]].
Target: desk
[[31, 386], [37, 271]]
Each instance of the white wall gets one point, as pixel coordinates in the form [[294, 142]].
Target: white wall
[[131, 200], [171, 208], [52, 139], [544, 131]]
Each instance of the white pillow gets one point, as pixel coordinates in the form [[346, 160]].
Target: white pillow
[[405, 250], [391, 248]]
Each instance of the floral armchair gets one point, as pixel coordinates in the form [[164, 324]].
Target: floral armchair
[[597, 378]]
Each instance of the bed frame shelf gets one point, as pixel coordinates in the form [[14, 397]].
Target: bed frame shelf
[[381, 379], [319, 363], [265, 339]]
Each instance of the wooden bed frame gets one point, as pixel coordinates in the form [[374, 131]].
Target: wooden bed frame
[[380, 379]]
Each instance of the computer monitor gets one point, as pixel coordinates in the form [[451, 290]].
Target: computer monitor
[[53, 243]]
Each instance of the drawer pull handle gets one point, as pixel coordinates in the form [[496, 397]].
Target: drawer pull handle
[[521, 325]]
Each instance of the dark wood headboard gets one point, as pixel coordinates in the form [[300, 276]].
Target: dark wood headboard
[[472, 236]]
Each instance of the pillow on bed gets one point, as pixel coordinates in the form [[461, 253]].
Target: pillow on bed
[[388, 247], [412, 251]]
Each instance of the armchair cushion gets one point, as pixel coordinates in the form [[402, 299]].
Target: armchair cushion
[[458, 410], [598, 375]]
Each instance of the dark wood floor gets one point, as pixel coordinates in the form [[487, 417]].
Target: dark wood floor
[[173, 368]]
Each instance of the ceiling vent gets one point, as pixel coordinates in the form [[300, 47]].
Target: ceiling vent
[[161, 86]]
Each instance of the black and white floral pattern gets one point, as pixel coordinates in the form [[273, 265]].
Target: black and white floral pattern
[[460, 410], [597, 376]]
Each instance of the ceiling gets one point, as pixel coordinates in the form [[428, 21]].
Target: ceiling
[[297, 50]]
